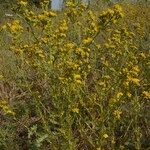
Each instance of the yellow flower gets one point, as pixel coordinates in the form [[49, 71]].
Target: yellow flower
[[64, 27], [87, 41], [75, 110], [69, 45], [136, 68], [41, 55], [70, 4], [118, 9], [117, 114], [78, 81], [129, 95], [91, 14], [101, 83], [77, 76], [5, 107], [51, 14], [42, 17], [105, 136], [23, 3], [146, 94], [44, 40], [119, 95], [134, 81], [15, 27], [1, 77]]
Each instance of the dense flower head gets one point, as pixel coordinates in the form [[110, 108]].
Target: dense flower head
[[111, 15], [15, 27]]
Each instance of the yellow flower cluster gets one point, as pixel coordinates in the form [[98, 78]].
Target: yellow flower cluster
[[6, 108], [23, 3], [88, 67], [74, 10], [87, 41], [117, 114], [111, 15], [146, 94], [116, 99], [62, 30], [93, 23], [132, 75], [75, 110], [77, 79], [15, 27], [46, 15]]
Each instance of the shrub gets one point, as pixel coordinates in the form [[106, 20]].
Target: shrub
[[78, 79]]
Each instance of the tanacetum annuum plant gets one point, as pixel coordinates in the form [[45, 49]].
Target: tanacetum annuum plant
[[81, 79]]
